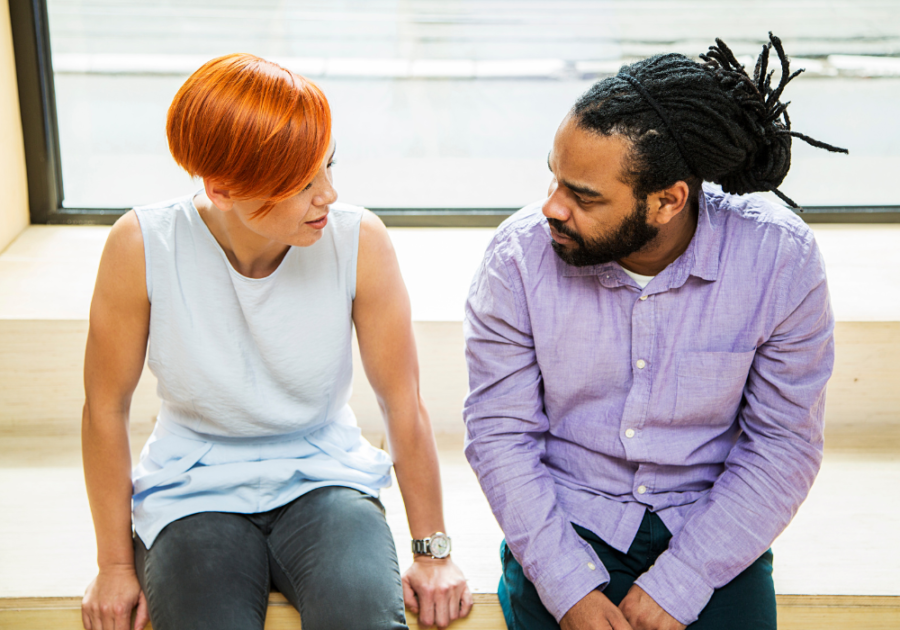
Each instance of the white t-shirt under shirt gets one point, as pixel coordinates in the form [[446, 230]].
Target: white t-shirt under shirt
[[642, 281]]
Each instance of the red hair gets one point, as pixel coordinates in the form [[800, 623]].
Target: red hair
[[255, 128]]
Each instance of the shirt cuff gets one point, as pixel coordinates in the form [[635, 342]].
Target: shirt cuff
[[676, 587], [564, 582]]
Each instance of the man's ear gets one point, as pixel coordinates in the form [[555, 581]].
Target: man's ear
[[670, 202], [218, 194]]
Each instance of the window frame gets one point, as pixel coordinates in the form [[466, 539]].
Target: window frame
[[43, 160]]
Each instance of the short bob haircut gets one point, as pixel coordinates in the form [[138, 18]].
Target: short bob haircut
[[257, 129]]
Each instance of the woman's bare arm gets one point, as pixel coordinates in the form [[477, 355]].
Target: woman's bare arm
[[435, 589], [114, 359]]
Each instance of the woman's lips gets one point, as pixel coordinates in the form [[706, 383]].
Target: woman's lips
[[318, 224]]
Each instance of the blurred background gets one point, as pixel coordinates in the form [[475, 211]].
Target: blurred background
[[454, 103]]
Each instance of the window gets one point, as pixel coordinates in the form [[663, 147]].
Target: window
[[445, 108]]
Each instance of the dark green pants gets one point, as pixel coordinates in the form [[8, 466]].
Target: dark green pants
[[745, 603]]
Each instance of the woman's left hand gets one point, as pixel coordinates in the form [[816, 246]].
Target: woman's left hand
[[436, 590]]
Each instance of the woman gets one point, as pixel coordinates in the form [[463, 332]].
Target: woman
[[246, 295]]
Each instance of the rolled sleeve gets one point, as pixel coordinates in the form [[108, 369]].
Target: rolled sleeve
[[505, 432]]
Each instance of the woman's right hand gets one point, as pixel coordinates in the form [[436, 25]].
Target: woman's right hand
[[109, 600]]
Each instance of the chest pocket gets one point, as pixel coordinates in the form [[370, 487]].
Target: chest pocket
[[710, 386]]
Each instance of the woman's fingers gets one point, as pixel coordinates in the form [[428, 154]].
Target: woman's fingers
[[466, 601], [426, 605], [123, 617], [442, 599], [409, 596], [142, 616], [454, 603]]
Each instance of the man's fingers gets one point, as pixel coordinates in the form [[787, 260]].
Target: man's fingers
[[618, 621], [409, 597], [86, 619], [142, 616]]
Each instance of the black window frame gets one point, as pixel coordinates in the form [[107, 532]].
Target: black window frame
[[43, 160]]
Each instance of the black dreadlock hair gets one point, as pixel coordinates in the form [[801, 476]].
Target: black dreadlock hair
[[696, 122]]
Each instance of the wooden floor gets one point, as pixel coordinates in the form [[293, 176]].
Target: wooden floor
[[837, 565]]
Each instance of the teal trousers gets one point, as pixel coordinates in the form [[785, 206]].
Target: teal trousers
[[745, 603]]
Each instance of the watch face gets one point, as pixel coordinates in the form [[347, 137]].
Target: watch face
[[440, 546]]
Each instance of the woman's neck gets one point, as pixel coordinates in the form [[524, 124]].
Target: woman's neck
[[250, 254]]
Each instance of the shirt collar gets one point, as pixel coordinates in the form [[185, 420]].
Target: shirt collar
[[700, 259]]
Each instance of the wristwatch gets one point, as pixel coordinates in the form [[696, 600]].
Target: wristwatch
[[437, 546]]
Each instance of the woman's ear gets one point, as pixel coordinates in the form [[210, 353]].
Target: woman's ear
[[218, 195], [670, 202]]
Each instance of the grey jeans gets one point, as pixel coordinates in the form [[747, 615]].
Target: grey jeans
[[330, 552]]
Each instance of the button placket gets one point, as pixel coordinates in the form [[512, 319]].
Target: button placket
[[643, 331]]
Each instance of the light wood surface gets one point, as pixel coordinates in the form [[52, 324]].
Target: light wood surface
[[842, 542], [49, 271], [42, 392], [794, 613]]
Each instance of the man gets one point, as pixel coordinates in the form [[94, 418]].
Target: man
[[648, 357]]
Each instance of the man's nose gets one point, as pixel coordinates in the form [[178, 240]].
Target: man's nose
[[555, 207]]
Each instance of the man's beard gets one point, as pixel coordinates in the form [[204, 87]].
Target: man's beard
[[632, 235]]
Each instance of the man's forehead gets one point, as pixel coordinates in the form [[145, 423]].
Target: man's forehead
[[586, 158]]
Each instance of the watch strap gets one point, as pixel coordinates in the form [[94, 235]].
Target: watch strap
[[420, 546]]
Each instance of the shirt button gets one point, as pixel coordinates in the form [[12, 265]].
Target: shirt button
[[642, 489], [643, 297], [591, 566], [641, 364], [629, 433]]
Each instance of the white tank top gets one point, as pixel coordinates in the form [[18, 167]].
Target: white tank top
[[238, 356], [254, 374]]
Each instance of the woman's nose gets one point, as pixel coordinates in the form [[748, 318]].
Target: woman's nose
[[326, 196]]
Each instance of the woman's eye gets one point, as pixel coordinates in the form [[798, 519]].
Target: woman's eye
[[331, 163], [308, 186]]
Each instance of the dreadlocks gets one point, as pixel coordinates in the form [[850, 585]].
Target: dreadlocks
[[696, 122]]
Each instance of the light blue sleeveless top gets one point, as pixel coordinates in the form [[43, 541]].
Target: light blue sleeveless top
[[254, 374]]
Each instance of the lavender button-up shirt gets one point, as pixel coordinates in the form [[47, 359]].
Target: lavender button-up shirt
[[699, 398]]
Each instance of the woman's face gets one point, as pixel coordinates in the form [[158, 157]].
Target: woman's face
[[298, 220]]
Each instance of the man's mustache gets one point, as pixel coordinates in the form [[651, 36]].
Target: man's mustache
[[565, 230]]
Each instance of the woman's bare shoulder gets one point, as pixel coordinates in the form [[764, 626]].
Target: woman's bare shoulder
[[378, 272], [122, 272]]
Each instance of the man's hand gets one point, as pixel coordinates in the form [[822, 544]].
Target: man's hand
[[109, 600], [436, 590], [594, 611], [645, 614]]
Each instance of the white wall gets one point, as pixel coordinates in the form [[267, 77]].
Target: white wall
[[13, 182]]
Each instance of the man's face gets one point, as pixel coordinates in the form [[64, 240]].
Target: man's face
[[593, 215]]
